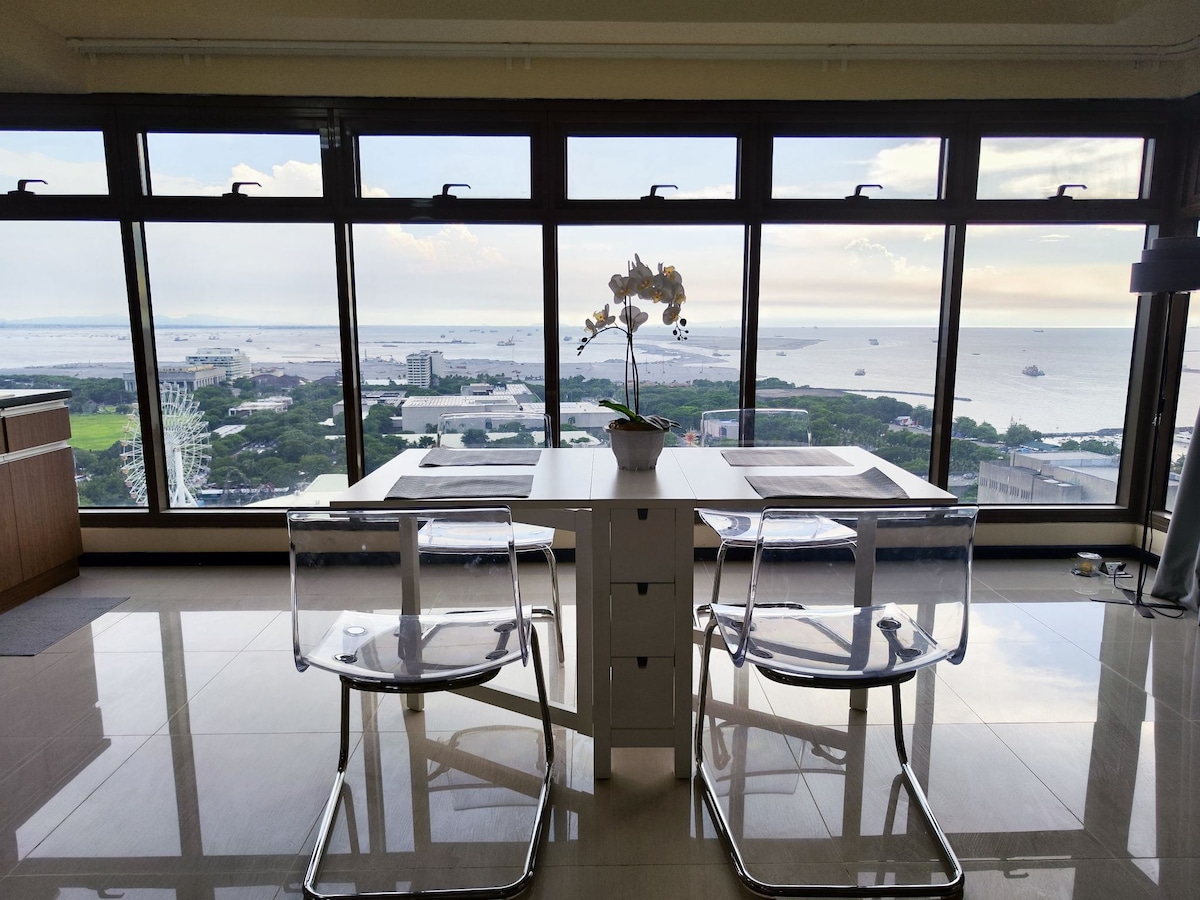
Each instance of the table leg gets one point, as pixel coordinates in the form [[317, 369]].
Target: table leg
[[601, 644], [410, 584], [685, 564], [864, 580], [586, 596]]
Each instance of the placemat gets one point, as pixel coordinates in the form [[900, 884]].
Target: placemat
[[446, 456], [782, 456], [433, 487], [869, 485]]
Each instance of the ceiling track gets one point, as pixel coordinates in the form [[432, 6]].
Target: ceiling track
[[95, 47]]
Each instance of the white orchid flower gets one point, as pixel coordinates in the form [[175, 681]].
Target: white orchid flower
[[602, 319], [633, 318], [621, 286], [640, 277]]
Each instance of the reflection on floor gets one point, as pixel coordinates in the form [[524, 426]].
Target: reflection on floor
[[171, 751]]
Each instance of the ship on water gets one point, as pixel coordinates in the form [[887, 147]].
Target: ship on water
[[1032, 371]]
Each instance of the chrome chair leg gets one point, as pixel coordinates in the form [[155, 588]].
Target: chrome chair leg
[[555, 602], [950, 889], [338, 793]]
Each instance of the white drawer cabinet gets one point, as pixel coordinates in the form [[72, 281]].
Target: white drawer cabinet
[[643, 619]]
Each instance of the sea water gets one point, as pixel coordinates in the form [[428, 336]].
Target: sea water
[[1083, 390]]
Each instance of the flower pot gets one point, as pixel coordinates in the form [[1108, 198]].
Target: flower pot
[[636, 449]]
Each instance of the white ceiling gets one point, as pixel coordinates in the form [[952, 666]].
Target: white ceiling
[[44, 43]]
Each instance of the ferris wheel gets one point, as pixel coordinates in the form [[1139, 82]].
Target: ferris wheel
[[185, 433]]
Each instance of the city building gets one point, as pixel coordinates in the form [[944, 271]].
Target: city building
[[235, 363], [423, 367], [189, 376], [267, 404], [420, 414]]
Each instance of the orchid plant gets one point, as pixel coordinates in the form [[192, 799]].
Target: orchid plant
[[665, 286]]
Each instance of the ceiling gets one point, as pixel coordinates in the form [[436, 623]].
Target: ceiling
[[49, 45]]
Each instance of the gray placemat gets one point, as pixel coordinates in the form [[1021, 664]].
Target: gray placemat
[[433, 487], [869, 485], [446, 456], [782, 456]]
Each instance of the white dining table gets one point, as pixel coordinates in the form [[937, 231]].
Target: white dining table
[[635, 537]]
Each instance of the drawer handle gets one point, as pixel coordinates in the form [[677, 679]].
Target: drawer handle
[[643, 661], [643, 513], [643, 588]]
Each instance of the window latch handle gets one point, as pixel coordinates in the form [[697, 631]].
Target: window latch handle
[[858, 191], [237, 186], [446, 195], [1061, 193], [654, 195], [21, 189]]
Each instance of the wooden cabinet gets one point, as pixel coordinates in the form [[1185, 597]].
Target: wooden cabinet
[[40, 539]]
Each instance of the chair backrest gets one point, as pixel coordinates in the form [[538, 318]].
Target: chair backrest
[[502, 428], [354, 572], [918, 559], [760, 427]]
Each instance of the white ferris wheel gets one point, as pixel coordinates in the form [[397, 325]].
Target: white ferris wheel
[[185, 433]]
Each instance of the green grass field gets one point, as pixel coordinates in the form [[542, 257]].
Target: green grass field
[[97, 431]]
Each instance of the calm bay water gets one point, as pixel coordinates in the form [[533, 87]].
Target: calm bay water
[[1083, 390]]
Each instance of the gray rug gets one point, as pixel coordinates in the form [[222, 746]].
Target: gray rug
[[33, 626]]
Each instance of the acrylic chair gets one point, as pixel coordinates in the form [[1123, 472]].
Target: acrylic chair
[[762, 427], [499, 430], [365, 608], [847, 621]]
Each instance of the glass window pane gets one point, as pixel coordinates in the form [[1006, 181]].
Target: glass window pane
[[418, 165], [64, 324], [1043, 362], [908, 168], [679, 379], [624, 168], [869, 385], [1032, 168], [206, 165], [70, 162], [451, 318], [246, 328]]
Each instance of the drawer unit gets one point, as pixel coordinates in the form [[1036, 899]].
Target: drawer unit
[[643, 692], [643, 620], [24, 431], [642, 542]]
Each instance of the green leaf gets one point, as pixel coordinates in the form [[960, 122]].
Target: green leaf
[[622, 409]]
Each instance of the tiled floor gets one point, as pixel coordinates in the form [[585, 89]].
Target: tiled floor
[[171, 750]]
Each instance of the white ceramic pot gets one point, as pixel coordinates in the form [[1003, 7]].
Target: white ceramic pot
[[636, 450]]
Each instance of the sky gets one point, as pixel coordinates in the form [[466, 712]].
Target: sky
[[1044, 276]]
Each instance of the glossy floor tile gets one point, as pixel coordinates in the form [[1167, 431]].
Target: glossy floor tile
[[171, 751]]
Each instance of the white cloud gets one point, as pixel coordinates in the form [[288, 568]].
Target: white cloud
[[289, 179], [61, 177]]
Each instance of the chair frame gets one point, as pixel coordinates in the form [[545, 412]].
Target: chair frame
[[951, 888], [338, 793]]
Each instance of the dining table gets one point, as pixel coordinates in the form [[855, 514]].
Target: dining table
[[635, 538]]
